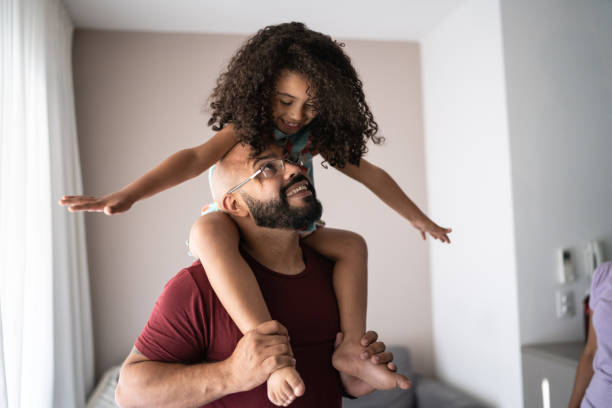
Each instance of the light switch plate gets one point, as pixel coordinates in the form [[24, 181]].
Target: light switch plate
[[566, 304]]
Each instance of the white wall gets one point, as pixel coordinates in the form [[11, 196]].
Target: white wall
[[559, 79], [138, 99], [474, 290]]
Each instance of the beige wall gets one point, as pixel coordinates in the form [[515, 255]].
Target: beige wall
[[139, 98]]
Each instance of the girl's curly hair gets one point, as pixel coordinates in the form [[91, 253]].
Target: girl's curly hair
[[244, 92]]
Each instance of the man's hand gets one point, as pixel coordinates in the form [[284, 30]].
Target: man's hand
[[258, 353], [375, 350], [111, 204]]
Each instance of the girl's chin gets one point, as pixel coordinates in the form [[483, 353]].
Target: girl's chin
[[289, 131]]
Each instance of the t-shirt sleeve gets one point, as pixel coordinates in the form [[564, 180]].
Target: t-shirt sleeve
[[600, 277], [176, 329]]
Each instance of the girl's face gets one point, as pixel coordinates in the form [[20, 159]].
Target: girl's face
[[292, 106]]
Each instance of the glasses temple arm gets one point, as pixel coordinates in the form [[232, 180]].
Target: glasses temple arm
[[244, 182]]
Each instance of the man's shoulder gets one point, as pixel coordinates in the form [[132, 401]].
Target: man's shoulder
[[189, 280]]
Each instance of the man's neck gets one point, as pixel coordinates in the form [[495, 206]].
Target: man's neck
[[276, 249]]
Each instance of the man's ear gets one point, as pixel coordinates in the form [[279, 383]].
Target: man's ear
[[233, 206]]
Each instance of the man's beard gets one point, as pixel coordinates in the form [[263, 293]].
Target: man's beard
[[279, 214]]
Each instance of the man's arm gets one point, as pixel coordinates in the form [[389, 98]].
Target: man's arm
[[143, 382]]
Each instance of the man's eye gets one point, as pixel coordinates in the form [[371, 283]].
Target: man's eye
[[287, 103], [269, 169]]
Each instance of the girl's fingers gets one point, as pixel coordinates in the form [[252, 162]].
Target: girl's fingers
[[87, 207], [78, 198]]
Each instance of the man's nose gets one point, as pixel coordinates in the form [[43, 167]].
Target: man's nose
[[293, 169]]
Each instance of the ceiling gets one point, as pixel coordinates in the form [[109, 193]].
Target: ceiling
[[398, 20]]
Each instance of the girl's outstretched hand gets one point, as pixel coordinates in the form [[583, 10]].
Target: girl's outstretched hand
[[427, 226], [111, 204]]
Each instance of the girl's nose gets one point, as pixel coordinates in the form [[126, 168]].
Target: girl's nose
[[296, 114]]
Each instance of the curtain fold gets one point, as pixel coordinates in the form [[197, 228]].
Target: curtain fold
[[46, 335]]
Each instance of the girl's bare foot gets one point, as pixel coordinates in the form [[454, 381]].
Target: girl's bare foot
[[284, 386], [347, 359]]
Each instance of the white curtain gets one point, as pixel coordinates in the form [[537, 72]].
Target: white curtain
[[46, 346]]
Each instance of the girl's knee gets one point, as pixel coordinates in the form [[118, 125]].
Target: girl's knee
[[349, 245], [213, 228], [356, 244]]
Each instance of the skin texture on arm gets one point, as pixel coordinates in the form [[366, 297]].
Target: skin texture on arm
[[214, 239], [385, 188], [144, 383], [350, 278], [584, 371], [177, 168]]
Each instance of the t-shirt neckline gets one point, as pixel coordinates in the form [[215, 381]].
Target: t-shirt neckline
[[262, 268]]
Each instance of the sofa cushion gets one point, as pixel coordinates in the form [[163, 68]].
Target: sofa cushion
[[103, 396]]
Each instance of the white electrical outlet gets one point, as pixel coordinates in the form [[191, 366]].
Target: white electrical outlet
[[566, 304]]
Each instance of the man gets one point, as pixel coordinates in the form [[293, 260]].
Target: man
[[192, 354]]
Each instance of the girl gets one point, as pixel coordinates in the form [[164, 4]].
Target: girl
[[295, 87]]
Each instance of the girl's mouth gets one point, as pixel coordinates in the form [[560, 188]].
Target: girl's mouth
[[293, 126]]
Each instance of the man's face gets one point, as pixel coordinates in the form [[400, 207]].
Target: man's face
[[286, 200]]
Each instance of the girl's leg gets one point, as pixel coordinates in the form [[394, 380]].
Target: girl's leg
[[350, 253], [214, 239]]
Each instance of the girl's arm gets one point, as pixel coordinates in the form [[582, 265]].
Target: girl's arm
[[381, 184], [181, 166], [584, 371]]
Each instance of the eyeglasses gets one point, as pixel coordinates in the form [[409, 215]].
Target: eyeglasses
[[269, 169]]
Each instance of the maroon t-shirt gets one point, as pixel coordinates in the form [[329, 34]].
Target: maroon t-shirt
[[189, 325]]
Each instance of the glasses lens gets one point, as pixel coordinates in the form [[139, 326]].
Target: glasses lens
[[271, 168], [296, 160]]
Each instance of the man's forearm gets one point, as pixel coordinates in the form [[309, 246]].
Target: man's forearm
[[153, 383]]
